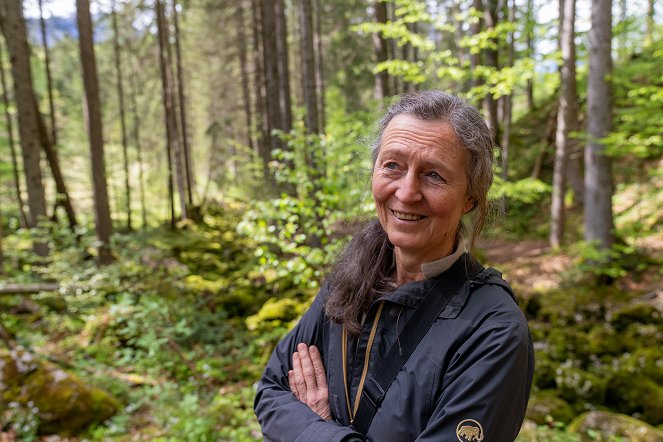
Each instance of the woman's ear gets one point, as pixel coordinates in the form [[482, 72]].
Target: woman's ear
[[469, 205]]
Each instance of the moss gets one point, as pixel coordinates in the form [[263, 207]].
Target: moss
[[603, 425], [65, 404], [602, 340], [545, 407], [632, 393], [578, 386], [635, 313]]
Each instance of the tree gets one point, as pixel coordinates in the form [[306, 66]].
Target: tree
[[95, 131], [14, 30], [120, 97], [382, 89], [47, 66], [491, 18], [530, 23], [567, 117], [244, 71], [170, 116], [23, 220], [598, 173], [186, 147], [508, 98], [319, 66], [308, 66]]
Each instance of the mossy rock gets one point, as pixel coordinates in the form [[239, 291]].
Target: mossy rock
[[65, 404], [545, 406], [635, 313], [544, 374], [604, 425], [632, 393], [578, 386], [602, 340]]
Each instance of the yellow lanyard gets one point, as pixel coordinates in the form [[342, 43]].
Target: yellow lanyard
[[371, 337]]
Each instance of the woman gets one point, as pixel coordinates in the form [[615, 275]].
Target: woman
[[409, 338]]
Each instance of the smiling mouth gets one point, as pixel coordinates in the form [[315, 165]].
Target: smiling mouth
[[407, 216]]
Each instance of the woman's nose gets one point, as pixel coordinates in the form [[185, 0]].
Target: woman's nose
[[409, 188]]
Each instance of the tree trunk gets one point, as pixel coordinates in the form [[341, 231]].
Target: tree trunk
[[263, 145], [382, 89], [567, 116], [137, 143], [14, 30], [507, 99], [491, 18], [54, 163], [282, 66], [186, 147], [529, 37], [23, 219], [271, 75], [170, 113], [319, 66], [120, 97], [89, 67], [476, 58], [649, 26], [47, 65], [598, 174], [308, 66], [244, 71]]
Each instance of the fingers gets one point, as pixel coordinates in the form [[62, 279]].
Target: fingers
[[292, 383], [298, 374], [307, 367], [318, 367]]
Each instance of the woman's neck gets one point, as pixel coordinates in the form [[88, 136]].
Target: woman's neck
[[408, 266]]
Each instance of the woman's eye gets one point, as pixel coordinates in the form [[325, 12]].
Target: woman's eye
[[391, 165], [435, 176]]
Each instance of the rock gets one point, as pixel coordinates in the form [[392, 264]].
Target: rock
[[64, 403], [545, 406], [632, 393], [579, 386], [604, 425], [635, 313]]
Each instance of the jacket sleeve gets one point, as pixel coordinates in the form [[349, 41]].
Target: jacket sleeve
[[485, 387], [282, 416]]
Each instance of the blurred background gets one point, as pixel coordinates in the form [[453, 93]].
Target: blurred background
[[177, 176]]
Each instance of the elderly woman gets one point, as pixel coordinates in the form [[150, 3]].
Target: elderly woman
[[410, 338]]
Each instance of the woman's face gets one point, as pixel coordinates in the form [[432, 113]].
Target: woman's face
[[420, 186]]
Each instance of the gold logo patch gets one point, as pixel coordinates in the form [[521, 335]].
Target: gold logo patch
[[469, 430]]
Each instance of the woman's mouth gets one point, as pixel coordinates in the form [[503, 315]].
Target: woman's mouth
[[407, 216]]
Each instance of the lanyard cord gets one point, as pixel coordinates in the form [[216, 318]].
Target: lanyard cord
[[371, 338]]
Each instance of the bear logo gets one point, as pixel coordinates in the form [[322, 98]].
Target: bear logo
[[469, 430]]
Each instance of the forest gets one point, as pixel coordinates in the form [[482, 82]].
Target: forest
[[177, 177]]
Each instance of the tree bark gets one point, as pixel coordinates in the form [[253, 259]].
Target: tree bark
[[263, 145], [382, 89], [15, 32], [476, 28], [47, 66], [244, 71], [529, 37], [120, 98], [649, 26], [567, 117], [308, 66], [63, 198], [186, 147], [598, 174], [95, 131], [137, 143], [282, 66], [508, 99], [170, 116], [23, 219], [491, 17], [271, 75], [319, 67]]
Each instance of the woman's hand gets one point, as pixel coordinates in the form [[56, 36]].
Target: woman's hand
[[308, 380]]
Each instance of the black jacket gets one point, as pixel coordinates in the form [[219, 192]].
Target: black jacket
[[468, 379]]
